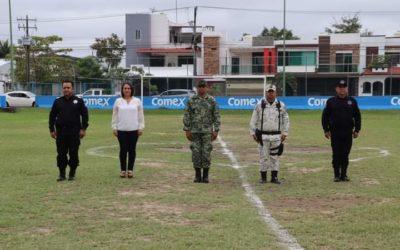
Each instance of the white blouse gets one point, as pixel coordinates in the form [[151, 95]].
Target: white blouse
[[127, 116]]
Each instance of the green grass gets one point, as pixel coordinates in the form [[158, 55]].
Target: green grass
[[162, 209]]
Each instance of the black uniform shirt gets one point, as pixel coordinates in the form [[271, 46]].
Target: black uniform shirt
[[65, 115], [341, 115]]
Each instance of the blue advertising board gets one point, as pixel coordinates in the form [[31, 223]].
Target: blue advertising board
[[233, 102], [2, 101]]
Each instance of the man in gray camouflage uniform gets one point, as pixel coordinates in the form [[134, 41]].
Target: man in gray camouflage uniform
[[201, 123], [269, 126]]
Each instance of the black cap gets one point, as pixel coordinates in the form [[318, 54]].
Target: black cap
[[201, 84], [342, 83]]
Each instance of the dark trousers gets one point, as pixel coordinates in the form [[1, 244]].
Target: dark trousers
[[68, 144], [341, 143], [127, 147]]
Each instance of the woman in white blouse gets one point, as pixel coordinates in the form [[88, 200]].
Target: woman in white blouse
[[127, 124]]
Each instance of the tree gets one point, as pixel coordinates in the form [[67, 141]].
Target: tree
[[347, 25], [109, 50], [148, 87], [88, 68], [277, 34], [243, 35], [47, 64], [291, 83], [381, 61], [4, 49]]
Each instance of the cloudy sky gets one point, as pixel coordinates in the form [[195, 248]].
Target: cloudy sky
[[99, 18]]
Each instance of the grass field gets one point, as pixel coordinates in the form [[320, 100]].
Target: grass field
[[161, 208]]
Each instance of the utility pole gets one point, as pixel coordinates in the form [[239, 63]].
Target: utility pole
[[26, 41], [194, 43], [176, 11], [11, 44], [284, 49]]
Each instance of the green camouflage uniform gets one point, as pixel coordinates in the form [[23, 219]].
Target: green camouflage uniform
[[201, 118]]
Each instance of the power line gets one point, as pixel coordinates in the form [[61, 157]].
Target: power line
[[323, 12], [50, 20]]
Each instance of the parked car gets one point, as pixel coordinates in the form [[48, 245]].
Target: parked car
[[20, 99], [177, 92], [94, 92]]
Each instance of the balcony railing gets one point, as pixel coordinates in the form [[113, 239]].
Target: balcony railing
[[259, 69], [338, 68]]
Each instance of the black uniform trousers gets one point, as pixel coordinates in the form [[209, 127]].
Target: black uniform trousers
[[127, 146], [341, 142], [68, 144]]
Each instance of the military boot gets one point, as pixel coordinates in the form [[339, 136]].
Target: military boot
[[205, 175], [197, 177], [61, 176], [263, 177], [274, 177]]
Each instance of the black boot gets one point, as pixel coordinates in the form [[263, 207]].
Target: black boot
[[263, 177], [197, 177], [274, 177], [61, 176], [205, 175], [343, 174], [336, 171], [71, 175]]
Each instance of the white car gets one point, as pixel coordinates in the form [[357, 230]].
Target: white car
[[94, 92], [177, 92], [20, 99]]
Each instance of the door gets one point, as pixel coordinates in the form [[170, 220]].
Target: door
[[13, 100]]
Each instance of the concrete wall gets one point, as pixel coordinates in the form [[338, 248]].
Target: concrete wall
[[159, 31], [373, 41], [135, 22]]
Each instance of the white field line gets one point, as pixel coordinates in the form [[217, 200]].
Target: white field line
[[281, 233], [380, 153], [99, 152]]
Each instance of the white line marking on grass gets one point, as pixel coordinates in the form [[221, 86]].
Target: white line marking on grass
[[98, 152], [283, 235], [382, 152]]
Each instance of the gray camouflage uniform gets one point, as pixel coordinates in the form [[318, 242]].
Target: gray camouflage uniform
[[269, 160]]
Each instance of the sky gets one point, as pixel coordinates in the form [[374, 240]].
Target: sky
[[306, 18]]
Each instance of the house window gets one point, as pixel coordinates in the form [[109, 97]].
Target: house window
[[257, 62], [157, 61], [366, 88], [393, 58], [235, 65], [137, 35], [344, 62], [377, 89], [298, 58], [185, 60]]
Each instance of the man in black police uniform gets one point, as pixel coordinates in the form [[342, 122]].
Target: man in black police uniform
[[341, 121], [68, 122]]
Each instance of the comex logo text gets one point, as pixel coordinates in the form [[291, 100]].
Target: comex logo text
[[241, 102], [97, 102], [317, 102], [395, 101], [180, 102]]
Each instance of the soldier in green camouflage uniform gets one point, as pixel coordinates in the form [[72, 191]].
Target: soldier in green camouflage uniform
[[201, 123]]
